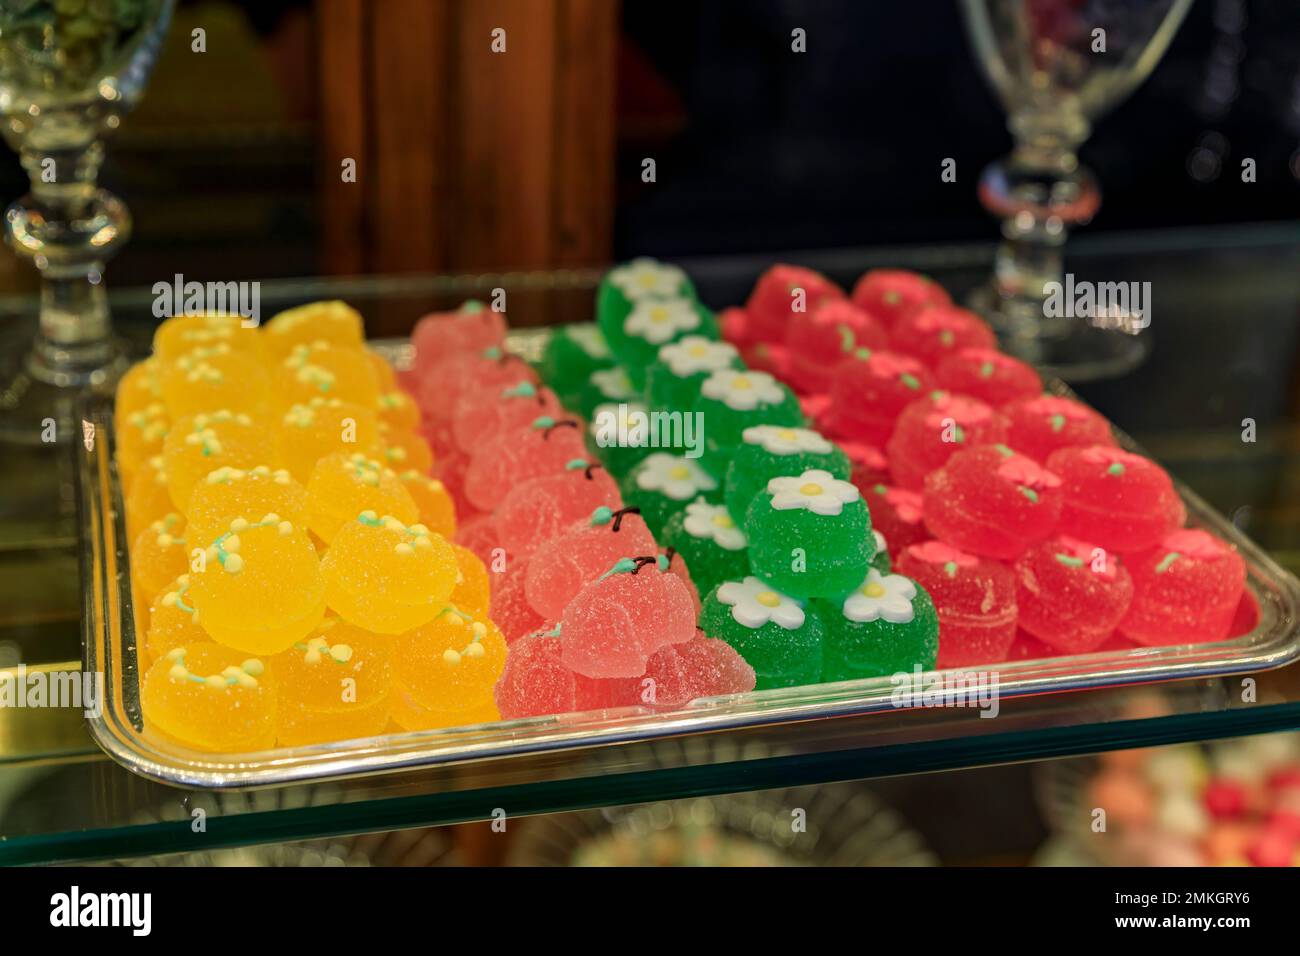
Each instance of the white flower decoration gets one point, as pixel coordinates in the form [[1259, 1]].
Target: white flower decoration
[[695, 353], [613, 383], [648, 278], [590, 340], [676, 478], [815, 490], [704, 520], [881, 546], [661, 320], [742, 389], [780, 440], [753, 604], [619, 423], [885, 597]]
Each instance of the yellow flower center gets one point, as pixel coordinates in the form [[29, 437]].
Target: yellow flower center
[[723, 521], [680, 473], [787, 434], [741, 383], [647, 280], [696, 351], [811, 489], [874, 589], [659, 315], [768, 598]]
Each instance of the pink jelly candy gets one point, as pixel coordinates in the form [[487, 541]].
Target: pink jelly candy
[[562, 566], [537, 510], [471, 328], [1115, 499], [677, 566], [509, 609], [818, 339], [870, 390], [616, 623], [988, 500], [897, 514], [534, 681], [931, 429], [543, 448], [479, 418], [975, 599], [1040, 425], [485, 373], [778, 295], [1185, 590], [734, 323], [479, 535], [934, 332], [1071, 594], [893, 294], [700, 667], [988, 375]]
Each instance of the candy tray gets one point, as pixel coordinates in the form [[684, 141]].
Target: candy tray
[[110, 642]]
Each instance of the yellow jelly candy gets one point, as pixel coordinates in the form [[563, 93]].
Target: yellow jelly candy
[[336, 323], [445, 672], [226, 493], [437, 509], [398, 411], [139, 387], [321, 370], [147, 497], [199, 444], [210, 698], [405, 450], [140, 436], [334, 685], [387, 576], [385, 375], [342, 486], [259, 587], [473, 594], [159, 554], [309, 431], [172, 621], [184, 333], [211, 377]]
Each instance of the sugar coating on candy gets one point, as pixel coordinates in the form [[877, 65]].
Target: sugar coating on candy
[[1071, 594], [211, 698], [404, 450], [886, 625], [159, 554], [138, 388], [344, 485], [260, 587], [172, 621], [334, 685], [1186, 590], [870, 389], [1114, 498], [936, 331], [184, 333], [535, 511], [147, 499], [212, 377], [975, 599], [893, 294], [776, 635], [810, 534], [476, 421], [398, 410], [446, 671], [1040, 425], [989, 500], [457, 374], [989, 375], [898, 514], [544, 447], [510, 610], [468, 330], [932, 429], [227, 492], [780, 293], [474, 591], [198, 444], [432, 500], [308, 431], [701, 667], [387, 576], [318, 369], [819, 338], [534, 681], [613, 625], [561, 567], [140, 434], [332, 321], [479, 535]]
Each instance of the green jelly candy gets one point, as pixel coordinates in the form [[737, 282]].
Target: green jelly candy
[[661, 485], [769, 451], [710, 543], [673, 380], [605, 386], [881, 560], [735, 399], [810, 535], [618, 437], [886, 626], [572, 353], [775, 634]]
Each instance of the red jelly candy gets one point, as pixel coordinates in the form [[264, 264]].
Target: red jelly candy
[[700, 667], [734, 323], [480, 418], [486, 373], [510, 610], [543, 448], [893, 294], [937, 331], [988, 375], [534, 682], [779, 293], [975, 599], [990, 501], [931, 429], [1115, 499], [1070, 594], [1185, 590], [897, 514], [535, 511], [818, 339], [870, 467], [479, 535], [1040, 425], [869, 390], [1026, 647], [561, 567]]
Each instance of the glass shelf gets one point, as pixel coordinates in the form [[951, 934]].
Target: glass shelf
[[1225, 305]]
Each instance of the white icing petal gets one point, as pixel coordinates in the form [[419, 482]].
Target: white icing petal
[[815, 490], [613, 383], [742, 389], [780, 440], [677, 478], [694, 354], [712, 522], [590, 340], [659, 321], [886, 597], [754, 604], [644, 277]]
